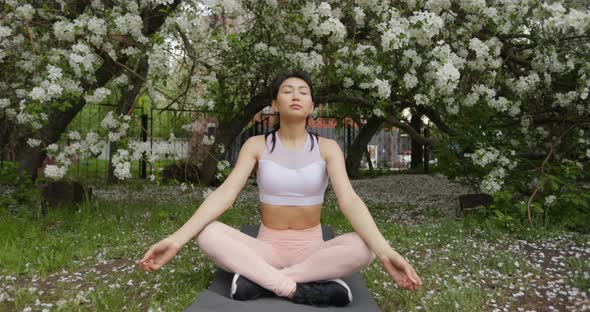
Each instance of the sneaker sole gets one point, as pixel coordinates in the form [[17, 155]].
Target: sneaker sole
[[234, 285], [341, 282]]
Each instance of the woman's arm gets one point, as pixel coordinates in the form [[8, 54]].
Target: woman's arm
[[223, 197], [357, 213], [351, 205]]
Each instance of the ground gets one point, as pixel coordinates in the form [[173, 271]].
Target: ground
[[82, 258]]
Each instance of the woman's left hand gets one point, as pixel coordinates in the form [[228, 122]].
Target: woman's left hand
[[400, 270]]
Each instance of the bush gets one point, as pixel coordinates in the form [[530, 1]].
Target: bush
[[18, 193]]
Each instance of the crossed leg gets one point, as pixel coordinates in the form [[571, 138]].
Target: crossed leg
[[280, 270], [238, 252], [335, 258]]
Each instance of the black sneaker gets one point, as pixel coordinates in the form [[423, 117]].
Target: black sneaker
[[245, 289], [333, 292]]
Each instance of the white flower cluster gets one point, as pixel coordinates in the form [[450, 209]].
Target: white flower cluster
[[485, 156], [494, 180], [310, 62], [99, 95], [138, 149], [330, 24], [25, 11], [33, 142], [524, 84], [121, 162], [424, 26], [410, 80], [55, 172], [208, 140], [222, 165], [82, 59], [5, 32], [574, 20], [23, 117], [221, 147], [332, 27], [92, 145], [48, 89], [347, 83], [383, 87], [359, 16], [131, 24], [117, 127], [447, 77], [377, 112], [64, 31], [394, 33], [549, 200], [472, 6], [565, 99]]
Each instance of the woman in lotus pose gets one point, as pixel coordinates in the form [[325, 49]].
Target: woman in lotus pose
[[288, 258]]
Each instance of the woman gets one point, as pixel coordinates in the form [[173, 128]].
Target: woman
[[289, 257]]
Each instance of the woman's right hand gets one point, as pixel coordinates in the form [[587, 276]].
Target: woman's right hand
[[159, 254]]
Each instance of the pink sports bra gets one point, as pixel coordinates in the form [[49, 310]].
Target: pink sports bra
[[294, 178]]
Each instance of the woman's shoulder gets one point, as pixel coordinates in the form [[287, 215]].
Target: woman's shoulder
[[327, 147], [255, 144]]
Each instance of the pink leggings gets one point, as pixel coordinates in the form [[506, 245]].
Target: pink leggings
[[278, 259]]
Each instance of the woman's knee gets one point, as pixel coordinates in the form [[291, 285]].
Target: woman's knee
[[209, 234]]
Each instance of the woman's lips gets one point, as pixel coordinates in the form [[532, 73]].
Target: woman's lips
[[295, 106]]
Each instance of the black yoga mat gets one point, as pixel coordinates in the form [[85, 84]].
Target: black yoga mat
[[216, 297]]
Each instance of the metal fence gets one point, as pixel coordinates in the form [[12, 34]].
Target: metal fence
[[388, 148]]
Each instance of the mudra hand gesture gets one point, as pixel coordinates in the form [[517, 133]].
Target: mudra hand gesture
[[400, 270], [159, 254]]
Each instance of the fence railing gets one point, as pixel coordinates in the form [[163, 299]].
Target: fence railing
[[388, 148]]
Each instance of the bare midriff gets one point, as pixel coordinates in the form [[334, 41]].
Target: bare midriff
[[281, 217]]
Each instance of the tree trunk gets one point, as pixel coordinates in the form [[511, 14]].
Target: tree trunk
[[128, 98], [227, 131], [417, 147], [359, 145]]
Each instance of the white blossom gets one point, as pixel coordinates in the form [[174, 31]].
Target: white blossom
[[383, 88], [359, 16], [25, 11], [74, 135], [4, 103], [33, 142], [549, 200], [410, 80], [55, 172], [222, 165], [377, 112], [99, 95], [55, 73], [208, 140], [347, 82]]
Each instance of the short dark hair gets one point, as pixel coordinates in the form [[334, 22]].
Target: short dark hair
[[276, 84]]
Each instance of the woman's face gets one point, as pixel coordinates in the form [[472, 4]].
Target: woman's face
[[294, 98]]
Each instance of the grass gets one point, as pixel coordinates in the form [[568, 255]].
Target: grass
[[82, 258]]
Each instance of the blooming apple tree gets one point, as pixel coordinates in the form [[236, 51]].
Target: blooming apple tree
[[505, 82]]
